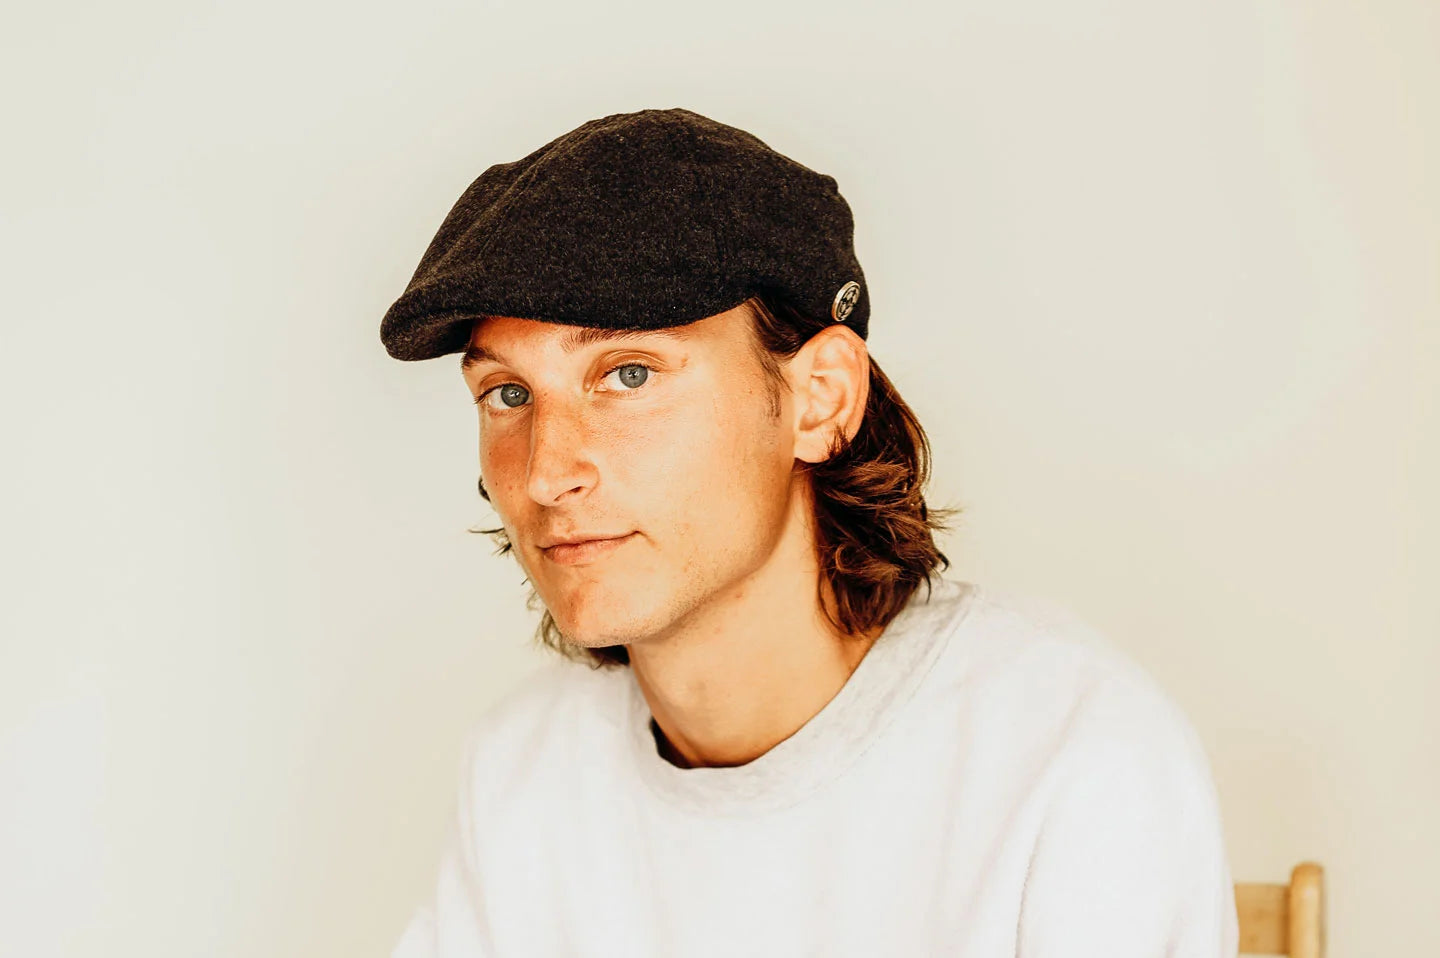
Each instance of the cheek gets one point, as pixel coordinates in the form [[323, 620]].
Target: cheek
[[652, 460], [503, 461], [692, 461]]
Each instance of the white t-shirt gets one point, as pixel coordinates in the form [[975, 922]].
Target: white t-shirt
[[986, 783]]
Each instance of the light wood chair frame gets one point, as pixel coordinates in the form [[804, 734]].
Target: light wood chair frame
[[1284, 919]]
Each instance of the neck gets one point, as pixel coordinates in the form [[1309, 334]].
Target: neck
[[751, 666]]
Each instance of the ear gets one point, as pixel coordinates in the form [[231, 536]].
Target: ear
[[830, 380]]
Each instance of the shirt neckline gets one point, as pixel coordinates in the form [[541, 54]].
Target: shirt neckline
[[825, 746]]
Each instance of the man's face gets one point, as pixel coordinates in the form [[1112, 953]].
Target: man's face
[[685, 460]]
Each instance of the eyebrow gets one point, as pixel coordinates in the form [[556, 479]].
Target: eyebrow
[[577, 338]]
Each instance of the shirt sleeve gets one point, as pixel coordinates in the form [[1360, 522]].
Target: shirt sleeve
[[1130, 857], [451, 923]]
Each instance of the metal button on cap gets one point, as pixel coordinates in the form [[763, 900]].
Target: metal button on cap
[[845, 301]]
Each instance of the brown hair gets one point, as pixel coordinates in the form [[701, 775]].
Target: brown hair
[[874, 535]]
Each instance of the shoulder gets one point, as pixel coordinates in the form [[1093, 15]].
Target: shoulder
[[1025, 633], [529, 697], [543, 710], [1050, 649], [1038, 670], [1124, 749], [1122, 805]]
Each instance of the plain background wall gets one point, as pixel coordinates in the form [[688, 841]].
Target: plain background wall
[[1162, 281]]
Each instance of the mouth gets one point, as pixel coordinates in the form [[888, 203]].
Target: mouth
[[579, 553]]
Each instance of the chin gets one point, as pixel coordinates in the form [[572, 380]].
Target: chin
[[594, 638], [593, 615]]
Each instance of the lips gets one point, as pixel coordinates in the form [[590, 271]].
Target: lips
[[581, 553], [582, 538]]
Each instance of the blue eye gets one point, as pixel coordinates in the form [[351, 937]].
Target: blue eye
[[509, 389], [631, 379], [503, 389]]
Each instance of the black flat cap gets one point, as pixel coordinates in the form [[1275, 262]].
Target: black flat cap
[[633, 221]]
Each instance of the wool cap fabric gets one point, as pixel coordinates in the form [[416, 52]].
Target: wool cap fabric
[[633, 221]]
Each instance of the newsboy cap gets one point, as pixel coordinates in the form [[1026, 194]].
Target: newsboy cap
[[633, 221]]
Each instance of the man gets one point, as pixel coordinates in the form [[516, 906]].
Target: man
[[772, 728]]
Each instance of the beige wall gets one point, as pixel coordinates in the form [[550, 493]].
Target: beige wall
[[1162, 280]]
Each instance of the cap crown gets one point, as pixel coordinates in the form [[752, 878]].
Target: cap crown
[[637, 221]]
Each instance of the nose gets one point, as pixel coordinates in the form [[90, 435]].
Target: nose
[[560, 467]]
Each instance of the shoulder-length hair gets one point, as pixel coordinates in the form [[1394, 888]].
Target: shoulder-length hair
[[874, 535]]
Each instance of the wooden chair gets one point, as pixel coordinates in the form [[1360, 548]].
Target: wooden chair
[[1284, 919]]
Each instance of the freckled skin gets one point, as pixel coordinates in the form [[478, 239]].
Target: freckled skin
[[690, 458], [716, 595]]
